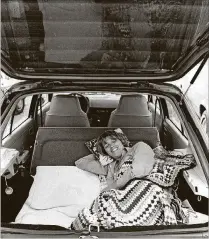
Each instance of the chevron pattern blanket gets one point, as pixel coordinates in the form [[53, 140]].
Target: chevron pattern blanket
[[146, 201]]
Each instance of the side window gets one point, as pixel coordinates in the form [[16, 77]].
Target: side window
[[156, 103], [44, 99], [153, 101], [20, 115], [173, 117]]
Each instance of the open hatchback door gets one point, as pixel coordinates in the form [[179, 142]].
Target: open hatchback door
[[85, 67]]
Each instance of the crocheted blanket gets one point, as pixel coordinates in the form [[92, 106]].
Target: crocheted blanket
[[142, 201]]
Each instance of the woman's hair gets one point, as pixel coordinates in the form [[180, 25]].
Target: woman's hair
[[110, 133]]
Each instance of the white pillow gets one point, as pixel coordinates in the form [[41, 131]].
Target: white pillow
[[57, 186]]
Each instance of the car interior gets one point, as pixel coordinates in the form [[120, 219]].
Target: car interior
[[86, 67], [57, 125]]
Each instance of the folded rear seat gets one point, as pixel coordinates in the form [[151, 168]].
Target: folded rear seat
[[63, 146]]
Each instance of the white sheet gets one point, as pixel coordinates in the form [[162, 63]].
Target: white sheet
[[195, 217], [60, 216]]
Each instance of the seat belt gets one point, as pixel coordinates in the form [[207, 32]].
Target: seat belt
[[41, 114], [162, 138], [154, 120]]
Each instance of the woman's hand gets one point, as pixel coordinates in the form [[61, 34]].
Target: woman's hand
[[112, 186], [106, 189]]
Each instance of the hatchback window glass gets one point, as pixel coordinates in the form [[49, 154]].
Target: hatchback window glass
[[113, 35]]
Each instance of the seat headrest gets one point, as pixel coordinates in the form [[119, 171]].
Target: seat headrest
[[134, 104], [65, 105], [132, 111], [65, 110]]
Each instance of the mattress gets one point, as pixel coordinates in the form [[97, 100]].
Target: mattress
[[59, 193]]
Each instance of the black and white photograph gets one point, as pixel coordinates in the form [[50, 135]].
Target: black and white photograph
[[104, 119]]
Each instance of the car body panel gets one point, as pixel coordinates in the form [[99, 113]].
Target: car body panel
[[104, 49], [22, 137], [172, 92], [120, 233]]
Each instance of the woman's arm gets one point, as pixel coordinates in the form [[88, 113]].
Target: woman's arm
[[111, 186], [138, 163], [143, 159], [120, 181]]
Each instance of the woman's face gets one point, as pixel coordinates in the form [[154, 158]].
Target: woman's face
[[113, 147]]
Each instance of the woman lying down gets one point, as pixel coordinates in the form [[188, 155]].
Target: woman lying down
[[138, 185]]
